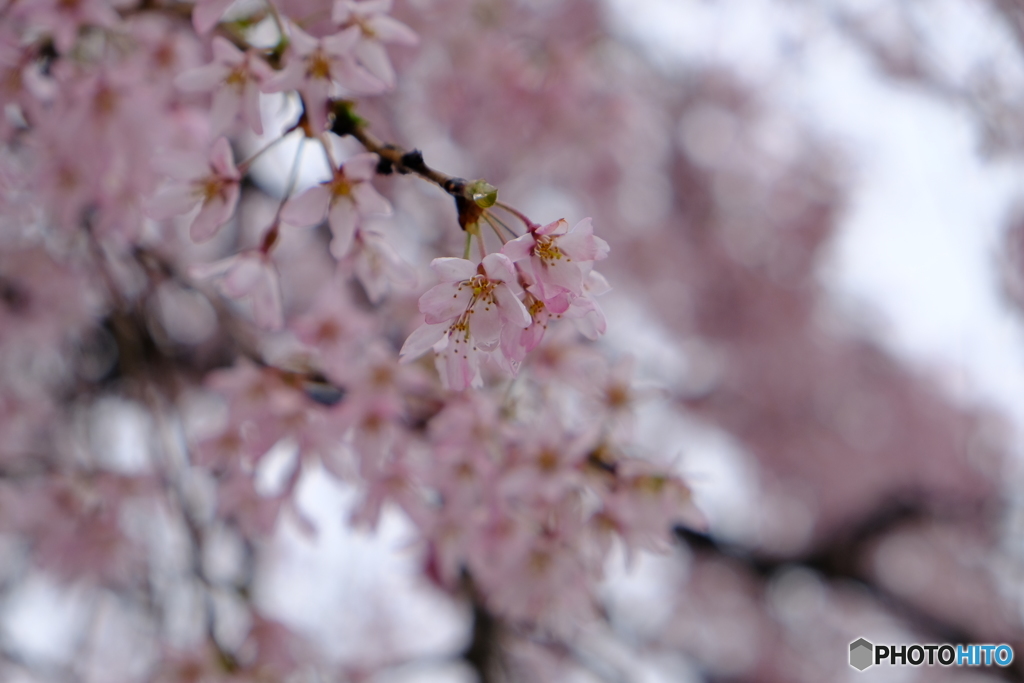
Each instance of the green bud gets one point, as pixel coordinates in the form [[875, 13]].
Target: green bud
[[483, 193]]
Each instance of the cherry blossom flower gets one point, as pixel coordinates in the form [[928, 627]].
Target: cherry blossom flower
[[376, 28], [558, 256], [378, 266], [465, 315], [214, 185], [317, 67], [345, 198], [234, 77], [248, 275]]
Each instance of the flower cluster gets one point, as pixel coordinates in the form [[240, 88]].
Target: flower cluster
[[175, 326], [504, 304]]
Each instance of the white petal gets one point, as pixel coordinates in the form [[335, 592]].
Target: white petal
[[215, 212], [207, 13], [512, 309], [369, 201], [499, 267], [372, 55], [421, 340], [217, 269], [251, 107], [267, 308], [202, 78], [342, 219], [222, 160], [361, 166], [241, 278], [301, 42], [308, 208], [445, 301], [172, 200], [485, 323], [225, 51], [226, 102], [341, 43], [520, 247], [390, 30], [453, 269]]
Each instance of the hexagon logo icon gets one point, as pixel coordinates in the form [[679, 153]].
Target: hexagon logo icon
[[860, 654]]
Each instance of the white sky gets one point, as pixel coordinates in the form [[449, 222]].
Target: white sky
[[919, 241]]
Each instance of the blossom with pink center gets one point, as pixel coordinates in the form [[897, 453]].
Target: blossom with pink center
[[234, 77], [465, 316], [376, 28], [557, 257], [345, 198], [213, 185], [583, 310], [248, 275], [318, 67]]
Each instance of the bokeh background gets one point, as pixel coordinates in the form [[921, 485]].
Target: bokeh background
[[817, 233]]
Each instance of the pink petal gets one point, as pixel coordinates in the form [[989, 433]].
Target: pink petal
[[421, 340], [341, 44], [512, 309], [374, 57], [519, 248], [222, 160], [559, 303], [390, 30], [202, 78], [209, 271], [453, 269], [242, 277], [559, 227], [485, 323], [215, 212], [288, 78], [361, 167], [308, 208], [172, 200], [499, 267], [342, 11], [581, 244], [251, 107], [301, 42], [260, 70], [182, 165], [315, 93], [225, 51], [342, 219], [445, 301], [558, 275], [355, 78], [267, 308], [592, 323], [207, 13], [368, 7], [378, 265], [368, 201], [226, 103], [596, 284]]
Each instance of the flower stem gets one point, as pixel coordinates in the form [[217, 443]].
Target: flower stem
[[518, 214]]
